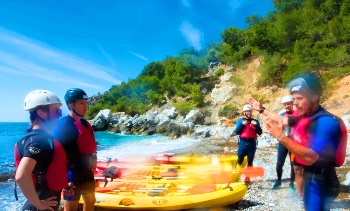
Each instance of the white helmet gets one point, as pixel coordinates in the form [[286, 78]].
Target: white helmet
[[247, 107], [39, 98], [287, 99]]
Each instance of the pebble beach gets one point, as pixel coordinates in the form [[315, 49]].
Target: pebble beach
[[260, 195]]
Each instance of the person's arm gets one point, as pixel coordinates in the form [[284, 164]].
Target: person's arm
[[258, 127], [306, 154], [257, 106], [25, 182], [239, 126]]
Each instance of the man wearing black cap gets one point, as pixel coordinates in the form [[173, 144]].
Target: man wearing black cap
[[77, 137]]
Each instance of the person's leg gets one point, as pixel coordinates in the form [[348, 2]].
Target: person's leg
[[282, 152], [89, 201], [281, 157], [331, 188], [298, 169], [70, 205], [241, 154], [314, 194], [251, 149], [88, 193], [292, 173]]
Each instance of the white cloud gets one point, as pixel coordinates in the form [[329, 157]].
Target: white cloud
[[192, 35], [138, 56], [16, 65], [30, 53]]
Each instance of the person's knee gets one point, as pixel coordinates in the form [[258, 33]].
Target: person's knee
[[298, 171]]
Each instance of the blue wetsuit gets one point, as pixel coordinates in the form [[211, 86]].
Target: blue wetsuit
[[247, 140], [79, 171], [321, 184]]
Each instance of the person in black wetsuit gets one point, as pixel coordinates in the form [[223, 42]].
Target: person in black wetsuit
[[39, 158], [282, 151]]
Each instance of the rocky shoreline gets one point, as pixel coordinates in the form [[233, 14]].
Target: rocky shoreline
[[165, 122]]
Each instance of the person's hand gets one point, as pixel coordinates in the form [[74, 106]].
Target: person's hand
[[48, 203], [93, 164], [69, 190], [273, 128], [245, 122], [253, 122], [256, 105]]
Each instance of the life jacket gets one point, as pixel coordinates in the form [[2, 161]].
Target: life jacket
[[249, 131], [301, 135], [54, 177], [86, 139]]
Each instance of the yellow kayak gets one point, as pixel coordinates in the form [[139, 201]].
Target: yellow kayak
[[171, 159], [216, 173], [179, 164], [181, 178], [169, 196]]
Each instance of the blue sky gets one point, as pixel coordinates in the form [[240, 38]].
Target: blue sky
[[57, 45]]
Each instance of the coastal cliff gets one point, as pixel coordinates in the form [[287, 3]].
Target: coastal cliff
[[233, 87]]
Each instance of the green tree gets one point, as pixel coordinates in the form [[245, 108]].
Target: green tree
[[234, 37], [197, 96], [153, 69]]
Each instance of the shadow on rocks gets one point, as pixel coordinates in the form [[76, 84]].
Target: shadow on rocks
[[243, 204]]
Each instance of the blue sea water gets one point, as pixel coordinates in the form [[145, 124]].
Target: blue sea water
[[112, 146]]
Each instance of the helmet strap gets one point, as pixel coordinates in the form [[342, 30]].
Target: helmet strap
[[71, 108], [313, 101], [41, 119], [76, 113]]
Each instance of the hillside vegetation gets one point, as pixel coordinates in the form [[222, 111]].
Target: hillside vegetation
[[311, 35]]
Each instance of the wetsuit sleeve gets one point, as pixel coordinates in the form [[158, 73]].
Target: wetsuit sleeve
[[324, 140], [292, 120], [67, 134], [239, 126], [38, 148], [258, 127]]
